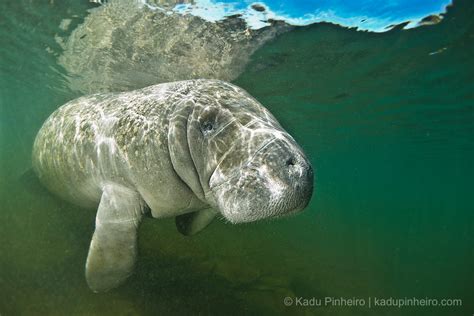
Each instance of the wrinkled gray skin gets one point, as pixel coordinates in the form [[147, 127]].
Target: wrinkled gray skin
[[189, 149]]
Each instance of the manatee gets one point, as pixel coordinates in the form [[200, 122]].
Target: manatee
[[192, 150]]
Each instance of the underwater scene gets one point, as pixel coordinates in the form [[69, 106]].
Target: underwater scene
[[379, 95]]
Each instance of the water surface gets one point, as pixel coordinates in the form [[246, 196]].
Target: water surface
[[387, 120]]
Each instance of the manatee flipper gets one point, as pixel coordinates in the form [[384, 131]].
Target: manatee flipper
[[192, 223], [113, 248]]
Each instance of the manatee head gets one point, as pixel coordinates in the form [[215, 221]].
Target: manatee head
[[235, 156]]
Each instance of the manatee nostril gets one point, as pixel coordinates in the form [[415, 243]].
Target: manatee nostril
[[290, 162]]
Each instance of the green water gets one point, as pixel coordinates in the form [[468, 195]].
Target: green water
[[387, 124]]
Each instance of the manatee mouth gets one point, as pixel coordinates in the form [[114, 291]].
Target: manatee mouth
[[275, 181], [255, 197], [237, 173]]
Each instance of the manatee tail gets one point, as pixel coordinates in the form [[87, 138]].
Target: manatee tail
[[31, 183]]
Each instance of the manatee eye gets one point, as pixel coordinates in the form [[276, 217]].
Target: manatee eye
[[207, 127]]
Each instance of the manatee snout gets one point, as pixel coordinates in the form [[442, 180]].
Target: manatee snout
[[287, 175], [276, 181], [300, 177]]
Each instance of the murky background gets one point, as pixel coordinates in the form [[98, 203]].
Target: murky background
[[387, 120]]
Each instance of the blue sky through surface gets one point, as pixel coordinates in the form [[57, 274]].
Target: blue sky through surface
[[373, 15]]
